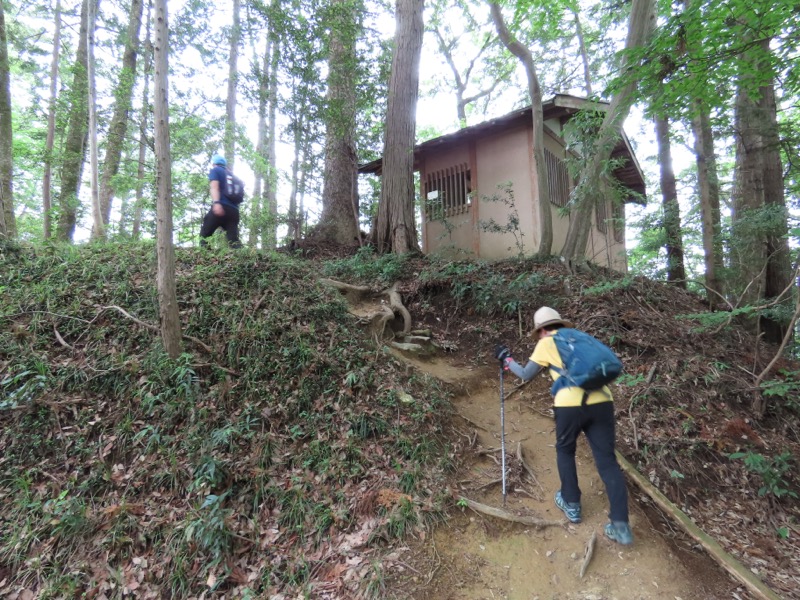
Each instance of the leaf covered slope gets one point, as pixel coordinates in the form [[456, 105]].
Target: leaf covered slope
[[275, 463]]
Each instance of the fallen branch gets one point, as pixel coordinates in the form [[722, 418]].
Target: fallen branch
[[154, 328], [507, 516], [588, 553]]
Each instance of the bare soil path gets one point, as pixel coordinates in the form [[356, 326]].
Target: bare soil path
[[475, 557]]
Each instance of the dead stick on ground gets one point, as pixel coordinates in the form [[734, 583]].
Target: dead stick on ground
[[156, 329], [507, 516], [587, 555], [518, 388]]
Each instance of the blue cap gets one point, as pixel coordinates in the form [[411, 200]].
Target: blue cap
[[218, 160]]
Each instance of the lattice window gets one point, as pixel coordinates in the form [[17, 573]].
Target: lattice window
[[558, 176], [447, 192], [618, 214], [601, 215]]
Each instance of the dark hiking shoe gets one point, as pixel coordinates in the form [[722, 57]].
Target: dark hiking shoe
[[620, 532], [571, 509]]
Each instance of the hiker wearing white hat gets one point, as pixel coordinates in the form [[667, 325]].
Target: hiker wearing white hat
[[581, 367]]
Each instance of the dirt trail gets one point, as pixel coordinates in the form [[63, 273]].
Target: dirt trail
[[474, 557]]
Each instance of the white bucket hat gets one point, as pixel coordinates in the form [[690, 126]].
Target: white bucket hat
[[547, 316]]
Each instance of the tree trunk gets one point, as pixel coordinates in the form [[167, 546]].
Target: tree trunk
[[541, 188], [167, 297], [47, 202], [270, 232], [75, 142], [759, 251], [708, 190], [587, 72], [261, 170], [138, 208], [395, 227], [640, 26], [123, 95], [338, 222], [676, 272], [233, 77], [8, 226], [98, 228]]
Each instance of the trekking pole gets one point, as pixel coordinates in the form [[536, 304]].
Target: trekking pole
[[503, 434]]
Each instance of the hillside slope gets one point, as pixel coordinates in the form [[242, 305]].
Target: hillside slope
[[286, 454]]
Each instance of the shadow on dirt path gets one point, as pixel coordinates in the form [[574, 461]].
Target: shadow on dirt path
[[472, 556]]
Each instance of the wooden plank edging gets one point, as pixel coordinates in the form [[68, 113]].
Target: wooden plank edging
[[740, 572]]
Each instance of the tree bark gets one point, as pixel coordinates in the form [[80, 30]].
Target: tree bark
[[640, 27], [47, 202], [395, 228], [233, 77], [676, 272], [541, 189], [138, 208], [338, 222], [759, 251], [123, 95], [8, 226], [167, 297], [98, 228], [75, 142], [261, 172]]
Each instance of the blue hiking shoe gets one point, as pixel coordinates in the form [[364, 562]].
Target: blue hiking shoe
[[571, 509], [620, 532]]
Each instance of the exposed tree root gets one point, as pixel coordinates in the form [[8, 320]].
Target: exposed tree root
[[507, 516]]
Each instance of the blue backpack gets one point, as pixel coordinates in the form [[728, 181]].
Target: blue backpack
[[588, 362]]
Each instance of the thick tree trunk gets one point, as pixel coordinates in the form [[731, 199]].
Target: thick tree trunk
[[47, 178], [75, 142], [123, 95], [589, 192], [759, 251], [676, 272], [138, 208], [338, 222], [541, 187], [233, 77], [167, 297], [8, 226], [395, 229]]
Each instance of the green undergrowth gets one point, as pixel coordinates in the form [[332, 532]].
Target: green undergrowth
[[247, 470]]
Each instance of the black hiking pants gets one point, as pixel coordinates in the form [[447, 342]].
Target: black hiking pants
[[597, 422], [229, 222]]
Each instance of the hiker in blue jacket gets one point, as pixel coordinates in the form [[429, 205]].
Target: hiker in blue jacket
[[223, 213], [577, 410]]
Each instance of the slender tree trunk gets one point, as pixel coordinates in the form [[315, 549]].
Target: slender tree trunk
[[233, 78], [123, 95], [541, 191], [339, 198], [261, 170], [270, 232], [167, 296], [75, 142], [138, 207], [640, 27], [395, 228], [676, 272], [708, 190], [98, 229], [47, 202], [587, 72], [294, 214], [8, 226]]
